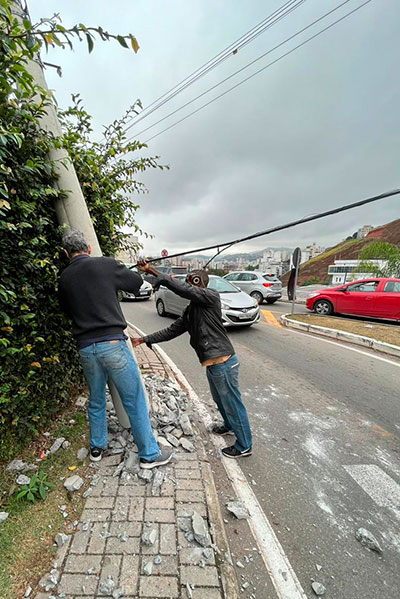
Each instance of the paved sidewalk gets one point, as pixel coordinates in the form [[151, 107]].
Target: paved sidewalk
[[137, 537]]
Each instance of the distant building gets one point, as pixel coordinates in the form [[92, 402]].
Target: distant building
[[310, 251], [363, 231], [345, 271], [129, 255]]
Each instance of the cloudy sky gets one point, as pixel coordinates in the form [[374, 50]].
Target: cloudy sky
[[318, 129]]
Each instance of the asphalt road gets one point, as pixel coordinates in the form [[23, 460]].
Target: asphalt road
[[326, 461]]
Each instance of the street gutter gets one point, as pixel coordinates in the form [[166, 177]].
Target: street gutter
[[378, 346]]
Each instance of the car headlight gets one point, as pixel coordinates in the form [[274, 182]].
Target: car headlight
[[313, 294], [225, 306]]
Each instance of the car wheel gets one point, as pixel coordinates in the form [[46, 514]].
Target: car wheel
[[323, 307], [271, 301], [257, 296], [160, 308]]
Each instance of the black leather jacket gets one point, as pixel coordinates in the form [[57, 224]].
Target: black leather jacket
[[201, 319]]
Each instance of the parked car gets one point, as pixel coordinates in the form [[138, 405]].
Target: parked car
[[169, 270], [144, 292], [375, 297], [260, 285], [238, 309]]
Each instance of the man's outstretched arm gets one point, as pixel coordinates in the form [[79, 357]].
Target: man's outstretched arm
[[177, 328]]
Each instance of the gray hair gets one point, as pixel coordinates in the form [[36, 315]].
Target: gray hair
[[74, 242]]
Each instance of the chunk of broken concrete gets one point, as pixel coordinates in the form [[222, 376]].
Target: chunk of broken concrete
[[107, 586], [157, 482], [367, 539], [238, 509], [22, 479], [186, 444], [131, 463], [82, 454], [200, 530], [148, 568], [3, 516], [149, 537], [80, 402], [60, 539], [146, 475], [73, 483], [20, 466], [318, 588], [56, 446], [186, 425]]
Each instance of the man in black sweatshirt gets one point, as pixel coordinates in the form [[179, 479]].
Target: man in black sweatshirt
[[88, 294], [202, 320]]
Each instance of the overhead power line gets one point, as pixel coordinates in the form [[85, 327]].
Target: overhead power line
[[231, 50], [294, 223], [256, 72]]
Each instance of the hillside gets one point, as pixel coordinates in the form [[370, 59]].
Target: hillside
[[346, 250]]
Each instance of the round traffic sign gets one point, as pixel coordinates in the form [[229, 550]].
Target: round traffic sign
[[164, 253]]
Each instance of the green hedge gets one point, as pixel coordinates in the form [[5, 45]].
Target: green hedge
[[38, 362]]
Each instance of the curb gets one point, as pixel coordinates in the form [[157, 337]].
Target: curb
[[227, 571], [378, 346]]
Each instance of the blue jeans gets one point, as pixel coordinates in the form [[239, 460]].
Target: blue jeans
[[224, 385], [114, 360]]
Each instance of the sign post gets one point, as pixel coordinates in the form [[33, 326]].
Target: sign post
[[292, 284]]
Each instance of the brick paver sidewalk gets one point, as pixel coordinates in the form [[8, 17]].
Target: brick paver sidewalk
[[107, 556]]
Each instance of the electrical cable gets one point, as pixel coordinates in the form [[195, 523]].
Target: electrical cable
[[294, 223], [256, 72], [231, 50]]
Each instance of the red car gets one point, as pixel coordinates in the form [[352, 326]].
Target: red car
[[379, 298]]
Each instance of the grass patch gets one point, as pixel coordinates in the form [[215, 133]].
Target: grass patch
[[389, 333], [26, 537]]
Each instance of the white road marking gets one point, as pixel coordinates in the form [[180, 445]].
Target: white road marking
[[374, 481], [344, 346], [283, 577]]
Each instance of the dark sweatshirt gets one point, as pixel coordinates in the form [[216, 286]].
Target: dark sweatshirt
[[88, 294]]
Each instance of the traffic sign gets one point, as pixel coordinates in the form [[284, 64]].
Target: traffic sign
[[296, 258], [164, 253]]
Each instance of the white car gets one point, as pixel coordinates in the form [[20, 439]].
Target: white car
[[238, 308], [144, 292]]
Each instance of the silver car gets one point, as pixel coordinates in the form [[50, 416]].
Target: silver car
[[238, 309], [258, 284]]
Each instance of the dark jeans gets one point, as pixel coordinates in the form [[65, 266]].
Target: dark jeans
[[224, 385]]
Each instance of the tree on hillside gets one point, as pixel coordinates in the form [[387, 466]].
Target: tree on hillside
[[380, 250]]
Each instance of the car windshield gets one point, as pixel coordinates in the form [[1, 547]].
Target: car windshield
[[222, 286], [179, 270]]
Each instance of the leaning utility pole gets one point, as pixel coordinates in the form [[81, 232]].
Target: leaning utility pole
[[72, 209]]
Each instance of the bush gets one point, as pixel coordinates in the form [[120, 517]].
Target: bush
[[38, 359]]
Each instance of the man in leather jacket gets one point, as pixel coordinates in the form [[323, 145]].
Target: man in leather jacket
[[202, 320]]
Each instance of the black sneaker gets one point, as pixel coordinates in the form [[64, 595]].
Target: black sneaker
[[221, 430], [232, 452], [96, 453], [163, 458]]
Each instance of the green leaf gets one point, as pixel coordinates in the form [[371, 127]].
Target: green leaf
[[122, 41], [42, 491], [89, 42], [30, 496]]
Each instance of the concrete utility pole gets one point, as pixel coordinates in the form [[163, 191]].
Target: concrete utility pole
[[72, 210]]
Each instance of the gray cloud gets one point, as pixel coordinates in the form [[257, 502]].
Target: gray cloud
[[316, 130]]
